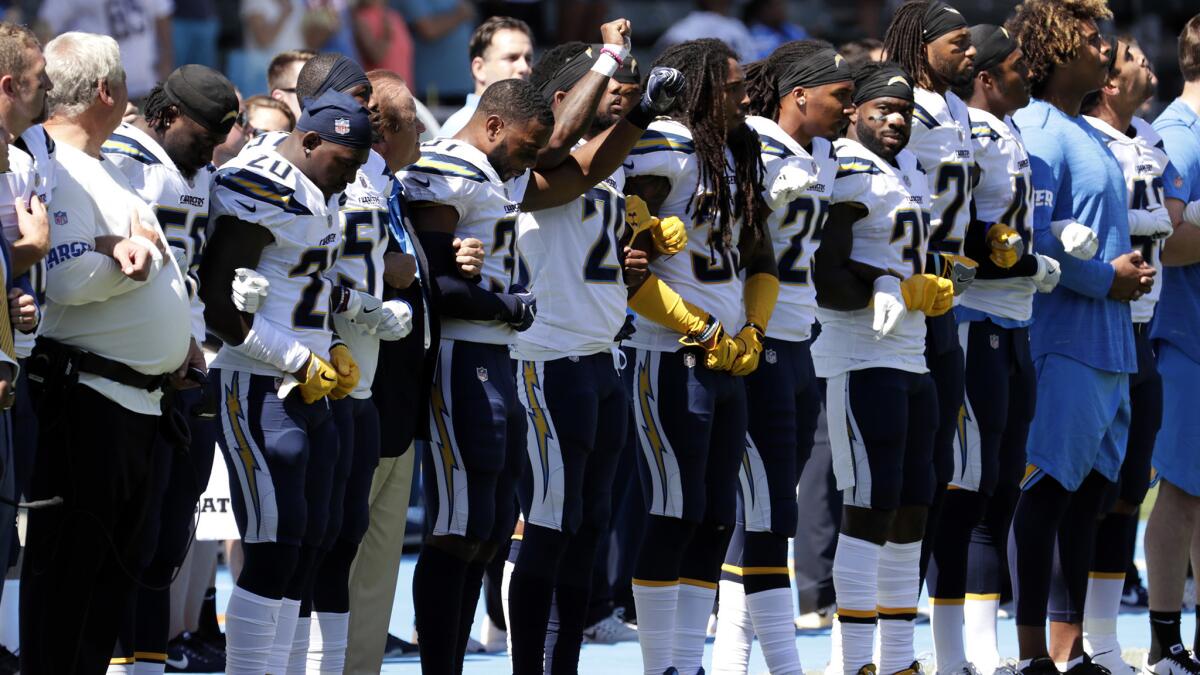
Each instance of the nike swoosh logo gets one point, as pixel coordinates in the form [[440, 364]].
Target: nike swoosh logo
[[327, 378], [627, 165], [368, 311], [249, 207], [180, 664], [418, 181]]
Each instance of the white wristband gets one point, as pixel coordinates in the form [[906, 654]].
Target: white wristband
[[606, 65], [265, 343]]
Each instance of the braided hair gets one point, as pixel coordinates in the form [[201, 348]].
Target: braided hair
[[701, 108], [760, 75], [905, 41], [158, 110]]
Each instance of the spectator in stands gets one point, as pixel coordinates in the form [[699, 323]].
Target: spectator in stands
[[710, 19], [282, 74], [500, 49], [327, 26], [142, 28], [769, 26], [383, 39], [194, 29], [264, 113], [270, 27], [441, 28]]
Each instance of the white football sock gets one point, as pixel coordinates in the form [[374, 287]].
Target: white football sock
[[298, 657], [149, 667], [899, 589], [731, 649], [947, 623], [328, 637], [979, 620], [1100, 610], [656, 624], [123, 668], [773, 616], [10, 615], [285, 634], [692, 610], [505, 581], [250, 623], [855, 577], [834, 667]]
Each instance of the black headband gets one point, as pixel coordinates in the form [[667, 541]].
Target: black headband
[[628, 72], [824, 66], [940, 19], [886, 81], [345, 75], [993, 44], [570, 72]]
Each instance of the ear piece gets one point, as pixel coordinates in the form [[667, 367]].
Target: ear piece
[[308, 152]]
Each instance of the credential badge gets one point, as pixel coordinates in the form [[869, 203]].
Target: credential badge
[[689, 360]]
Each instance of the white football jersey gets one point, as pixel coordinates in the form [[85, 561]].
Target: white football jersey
[[455, 173], [259, 186], [180, 204], [364, 221], [891, 236], [571, 253], [1143, 162], [1003, 195], [31, 169], [702, 274], [941, 141], [796, 230]]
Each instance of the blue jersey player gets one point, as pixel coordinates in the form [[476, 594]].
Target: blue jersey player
[[1082, 335]]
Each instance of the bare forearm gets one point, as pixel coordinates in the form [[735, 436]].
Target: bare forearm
[[573, 118]]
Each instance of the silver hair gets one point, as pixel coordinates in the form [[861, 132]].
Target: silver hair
[[76, 62]]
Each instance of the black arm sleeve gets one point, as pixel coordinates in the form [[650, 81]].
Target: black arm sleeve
[[975, 247], [459, 297]]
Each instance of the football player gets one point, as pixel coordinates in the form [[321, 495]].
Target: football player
[[276, 209], [503, 162], [993, 331], [702, 165], [1081, 340], [800, 100], [1138, 148], [1169, 532], [932, 42], [167, 156], [873, 297]]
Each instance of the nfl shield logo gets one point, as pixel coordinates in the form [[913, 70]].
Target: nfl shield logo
[[689, 360], [771, 356], [60, 217], [341, 126], [481, 373], [907, 182], [994, 341]]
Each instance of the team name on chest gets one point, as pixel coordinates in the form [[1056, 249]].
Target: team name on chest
[[192, 200]]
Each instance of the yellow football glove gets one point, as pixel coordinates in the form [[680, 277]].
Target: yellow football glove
[[320, 379], [1006, 245], [720, 350], [750, 348], [637, 215], [346, 369], [927, 293], [960, 270], [670, 235]]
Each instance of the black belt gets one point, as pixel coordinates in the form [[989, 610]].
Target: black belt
[[67, 361]]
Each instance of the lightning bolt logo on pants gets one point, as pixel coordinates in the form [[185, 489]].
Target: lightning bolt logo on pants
[[653, 437], [233, 407], [537, 417], [441, 422]]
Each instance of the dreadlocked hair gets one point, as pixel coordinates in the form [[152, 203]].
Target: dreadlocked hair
[[705, 65], [1049, 32], [905, 40], [158, 110], [760, 75]]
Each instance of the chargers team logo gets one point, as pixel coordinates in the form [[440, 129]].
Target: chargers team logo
[[341, 126], [481, 373], [60, 217]]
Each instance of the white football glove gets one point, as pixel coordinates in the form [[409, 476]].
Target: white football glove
[[365, 310], [889, 306], [1153, 223], [1079, 241], [789, 181], [250, 290], [1047, 275], [397, 322]]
